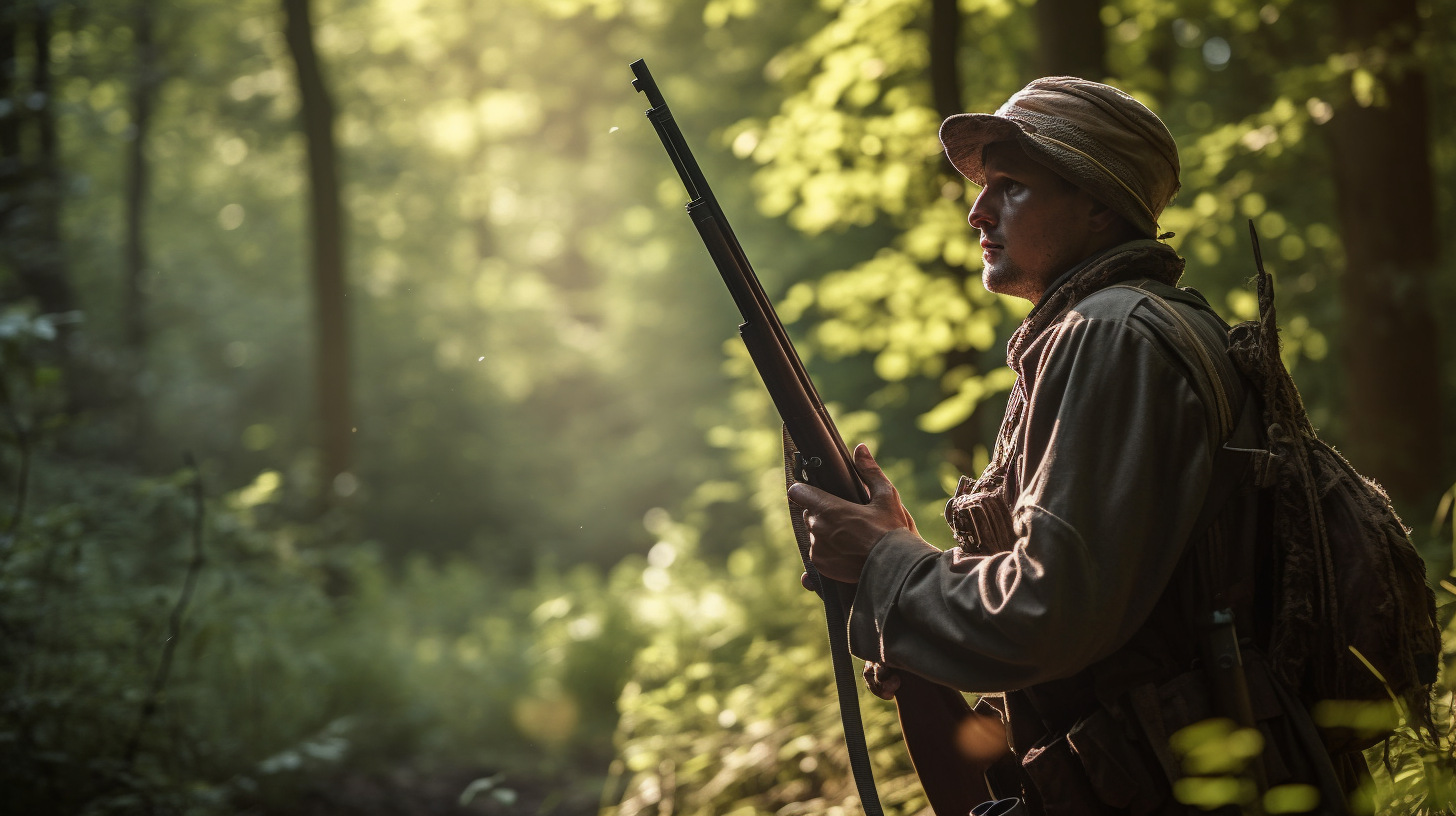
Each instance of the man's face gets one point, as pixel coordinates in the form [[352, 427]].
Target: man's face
[[1033, 223]]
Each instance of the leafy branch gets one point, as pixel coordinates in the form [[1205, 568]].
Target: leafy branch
[[174, 626], [22, 487]]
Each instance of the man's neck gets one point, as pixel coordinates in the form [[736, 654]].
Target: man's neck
[[1061, 279]]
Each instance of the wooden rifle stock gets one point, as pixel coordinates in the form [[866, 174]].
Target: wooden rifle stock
[[933, 721]]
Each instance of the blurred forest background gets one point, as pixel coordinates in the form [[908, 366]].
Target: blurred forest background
[[481, 506]]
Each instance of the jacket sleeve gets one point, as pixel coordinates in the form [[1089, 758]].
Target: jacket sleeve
[[1116, 465]]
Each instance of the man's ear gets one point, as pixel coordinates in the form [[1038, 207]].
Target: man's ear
[[1100, 218]]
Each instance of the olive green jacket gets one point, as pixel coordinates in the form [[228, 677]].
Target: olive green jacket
[[1112, 464]]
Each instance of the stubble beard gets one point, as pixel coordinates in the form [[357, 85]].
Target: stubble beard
[[1005, 277]]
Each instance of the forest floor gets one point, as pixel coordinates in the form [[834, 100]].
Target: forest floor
[[411, 792]]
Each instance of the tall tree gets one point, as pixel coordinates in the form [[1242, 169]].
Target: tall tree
[[945, 44], [143, 95], [329, 283], [33, 217], [9, 96], [1071, 40], [1385, 192], [31, 188]]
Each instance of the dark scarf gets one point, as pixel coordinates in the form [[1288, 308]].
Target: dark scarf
[[980, 513]]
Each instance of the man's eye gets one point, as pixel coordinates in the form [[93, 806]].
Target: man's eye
[[1012, 185]]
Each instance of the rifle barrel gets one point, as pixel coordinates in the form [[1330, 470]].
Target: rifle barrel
[[778, 362]]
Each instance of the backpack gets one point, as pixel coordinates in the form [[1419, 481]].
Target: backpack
[[1354, 619]]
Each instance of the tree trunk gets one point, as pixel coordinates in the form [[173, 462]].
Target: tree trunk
[[12, 177], [143, 94], [37, 248], [332, 367], [1386, 200], [945, 43], [1071, 40], [9, 70]]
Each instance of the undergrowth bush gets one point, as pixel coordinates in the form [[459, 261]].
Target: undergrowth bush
[[731, 705], [296, 658]]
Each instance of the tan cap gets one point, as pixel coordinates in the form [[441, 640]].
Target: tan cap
[[1096, 136]]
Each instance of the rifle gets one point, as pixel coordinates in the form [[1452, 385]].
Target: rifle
[[814, 451]]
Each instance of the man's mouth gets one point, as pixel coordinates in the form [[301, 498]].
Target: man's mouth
[[987, 243]]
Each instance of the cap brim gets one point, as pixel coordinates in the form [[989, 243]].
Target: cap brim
[[965, 135]]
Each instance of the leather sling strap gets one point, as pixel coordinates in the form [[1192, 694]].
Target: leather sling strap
[[846, 682]]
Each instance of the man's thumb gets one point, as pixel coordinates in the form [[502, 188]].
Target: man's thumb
[[869, 470]]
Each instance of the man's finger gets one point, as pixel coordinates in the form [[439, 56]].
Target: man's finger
[[805, 582], [889, 686], [869, 470], [881, 681], [810, 497]]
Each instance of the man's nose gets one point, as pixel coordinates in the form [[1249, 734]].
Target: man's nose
[[981, 217]]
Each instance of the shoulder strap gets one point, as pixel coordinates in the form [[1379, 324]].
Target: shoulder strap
[[1223, 411], [1241, 463]]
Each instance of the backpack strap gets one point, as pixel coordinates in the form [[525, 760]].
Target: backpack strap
[[1223, 411], [1233, 467]]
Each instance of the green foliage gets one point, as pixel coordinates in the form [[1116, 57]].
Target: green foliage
[[1215, 755], [730, 708], [293, 661]]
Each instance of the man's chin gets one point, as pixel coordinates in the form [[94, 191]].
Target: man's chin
[[996, 277], [1001, 277], [988, 278]]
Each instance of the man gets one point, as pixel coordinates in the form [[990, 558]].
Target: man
[[1100, 536]]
